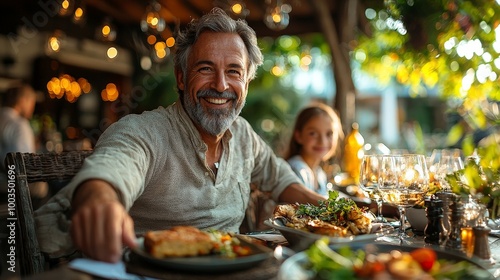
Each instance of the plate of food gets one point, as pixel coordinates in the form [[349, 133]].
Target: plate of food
[[190, 249], [338, 219], [380, 261]]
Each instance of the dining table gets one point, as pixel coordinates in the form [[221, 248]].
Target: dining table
[[132, 268]]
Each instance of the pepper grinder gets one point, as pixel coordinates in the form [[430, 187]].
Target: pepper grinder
[[481, 245], [455, 237], [447, 198], [435, 233]]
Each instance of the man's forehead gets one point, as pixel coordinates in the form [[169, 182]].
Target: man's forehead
[[212, 46]]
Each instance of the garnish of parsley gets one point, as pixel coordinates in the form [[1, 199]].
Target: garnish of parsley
[[334, 209]]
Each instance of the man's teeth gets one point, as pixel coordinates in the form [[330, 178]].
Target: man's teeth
[[216, 100]]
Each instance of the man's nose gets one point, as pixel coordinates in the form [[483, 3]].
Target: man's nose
[[220, 82]]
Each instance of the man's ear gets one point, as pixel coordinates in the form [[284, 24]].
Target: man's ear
[[179, 76]]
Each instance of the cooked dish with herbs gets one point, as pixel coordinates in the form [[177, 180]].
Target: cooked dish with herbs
[[335, 217]]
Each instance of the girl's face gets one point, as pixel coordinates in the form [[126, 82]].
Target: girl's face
[[316, 138]]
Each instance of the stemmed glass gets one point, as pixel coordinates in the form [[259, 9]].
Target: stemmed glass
[[403, 183], [368, 182], [443, 162]]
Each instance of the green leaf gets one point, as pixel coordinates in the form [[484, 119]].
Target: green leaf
[[455, 134]]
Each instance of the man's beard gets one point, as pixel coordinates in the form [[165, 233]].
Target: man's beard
[[213, 121]]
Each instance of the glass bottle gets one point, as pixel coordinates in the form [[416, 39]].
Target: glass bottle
[[353, 153], [472, 212]]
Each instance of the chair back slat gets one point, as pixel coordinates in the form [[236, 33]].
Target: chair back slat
[[30, 168]]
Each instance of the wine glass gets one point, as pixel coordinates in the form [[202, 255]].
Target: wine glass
[[368, 182], [443, 162], [404, 182]]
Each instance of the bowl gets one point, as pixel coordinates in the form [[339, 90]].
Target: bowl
[[417, 219], [300, 240]]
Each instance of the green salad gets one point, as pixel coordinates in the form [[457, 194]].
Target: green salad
[[346, 263]]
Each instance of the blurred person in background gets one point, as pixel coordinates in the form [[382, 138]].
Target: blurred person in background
[[315, 139], [18, 105]]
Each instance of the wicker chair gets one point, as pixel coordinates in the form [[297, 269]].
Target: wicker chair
[[29, 168]]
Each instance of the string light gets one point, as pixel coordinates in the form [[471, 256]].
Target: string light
[[152, 22], [55, 42], [66, 86], [112, 52], [80, 14], [106, 31], [66, 7], [276, 17], [238, 8]]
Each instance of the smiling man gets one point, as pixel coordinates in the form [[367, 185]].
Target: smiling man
[[191, 163]]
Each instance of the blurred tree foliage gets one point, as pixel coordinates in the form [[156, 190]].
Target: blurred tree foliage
[[453, 45]]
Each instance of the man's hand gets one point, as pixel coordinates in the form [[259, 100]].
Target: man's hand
[[100, 224]]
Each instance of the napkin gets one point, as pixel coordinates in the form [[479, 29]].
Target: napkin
[[104, 270]]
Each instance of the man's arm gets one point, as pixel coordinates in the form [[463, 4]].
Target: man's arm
[[298, 193], [100, 224]]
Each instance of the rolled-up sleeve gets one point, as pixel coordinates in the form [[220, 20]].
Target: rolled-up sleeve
[[271, 173]]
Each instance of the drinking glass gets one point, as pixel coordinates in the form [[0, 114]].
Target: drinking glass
[[443, 162], [368, 182], [403, 183]]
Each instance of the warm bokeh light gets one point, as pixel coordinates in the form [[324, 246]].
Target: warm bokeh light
[[160, 46], [66, 7], [237, 8], [105, 30], [78, 12], [277, 71], [277, 18], [112, 52], [151, 39], [170, 42], [110, 93], [54, 44], [66, 86]]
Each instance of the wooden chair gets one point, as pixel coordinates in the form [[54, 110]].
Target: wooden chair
[[29, 168]]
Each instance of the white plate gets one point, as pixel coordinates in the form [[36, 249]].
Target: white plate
[[210, 263], [300, 240]]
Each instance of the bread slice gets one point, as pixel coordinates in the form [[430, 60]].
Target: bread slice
[[179, 241]]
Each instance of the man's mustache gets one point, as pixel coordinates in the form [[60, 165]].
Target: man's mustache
[[216, 94]]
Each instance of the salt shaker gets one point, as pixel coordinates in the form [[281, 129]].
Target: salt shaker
[[481, 244]]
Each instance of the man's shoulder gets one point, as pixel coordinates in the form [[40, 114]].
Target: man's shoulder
[[152, 116], [242, 123]]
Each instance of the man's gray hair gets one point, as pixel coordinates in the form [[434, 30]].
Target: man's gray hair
[[217, 21]]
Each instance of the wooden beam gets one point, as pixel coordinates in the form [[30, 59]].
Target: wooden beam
[[336, 36]]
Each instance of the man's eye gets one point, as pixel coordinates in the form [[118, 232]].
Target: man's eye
[[205, 69]]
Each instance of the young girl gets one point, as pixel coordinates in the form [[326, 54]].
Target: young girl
[[315, 138]]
